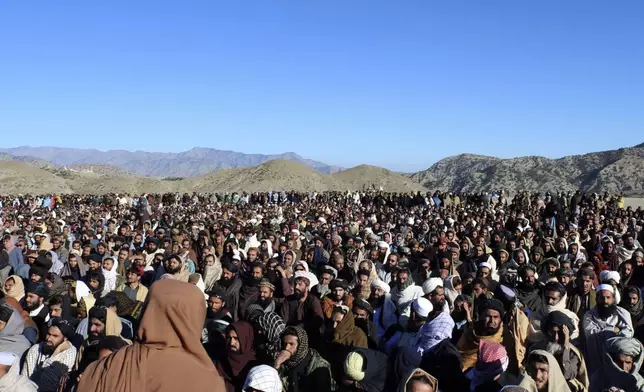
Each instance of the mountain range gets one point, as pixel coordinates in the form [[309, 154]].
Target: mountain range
[[202, 169], [191, 163]]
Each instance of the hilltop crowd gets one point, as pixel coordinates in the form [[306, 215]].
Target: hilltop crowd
[[318, 292]]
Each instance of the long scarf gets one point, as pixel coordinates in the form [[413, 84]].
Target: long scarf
[[637, 310]]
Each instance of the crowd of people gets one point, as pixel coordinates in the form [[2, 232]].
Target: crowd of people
[[318, 292]]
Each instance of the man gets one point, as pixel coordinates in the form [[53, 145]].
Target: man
[[557, 330], [327, 274], [266, 296], [384, 271], [433, 290], [133, 287], [231, 285], [36, 294], [47, 362], [407, 352], [544, 374], [337, 296], [584, 297], [384, 310], [151, 250], [301, 308], [316, 374], [554, 298], [249, 292], [604, 321], [527, 290], [489, 326], [170, 333], [404, 293], [365, 370], [621, 366], [10, 378]]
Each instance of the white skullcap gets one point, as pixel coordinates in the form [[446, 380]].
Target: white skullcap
[[422, 306], [605, 276], [485, 265], [322, 220], [606, 287], [431, 284], [263, 378], [295, 231], [379, 284], [7, 359], [383, 245], [303, 264], [410, 221]]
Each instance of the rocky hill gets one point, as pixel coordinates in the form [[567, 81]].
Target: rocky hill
[[195, 162], [274, 175], [615, 171]]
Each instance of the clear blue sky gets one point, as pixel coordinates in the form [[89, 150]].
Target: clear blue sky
[[399, 84]]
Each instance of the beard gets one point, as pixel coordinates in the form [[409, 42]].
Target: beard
[[528, 286], [264, 302], [172, 270], [459, 315], [30, 307], [605, 311], [377, 302], [487, 330], [555, 349], [47, 349], [438, 304], [298, 294]]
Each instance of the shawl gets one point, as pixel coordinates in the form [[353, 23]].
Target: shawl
[[537, 319], [614, 376], [556, 380], [302, 346], [450, 292], [211, 274], [273, 326], [110, 277], [77, 274], [18, 289], [530, 298], [11, 338], [56, 264], [170, 345], [346, 333], [235, 365], [598, 330], [58, 286], [468, 345], [402, 387]]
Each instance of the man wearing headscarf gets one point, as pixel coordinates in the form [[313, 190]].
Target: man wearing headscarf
[[384, 310], [46, 363], [263, 378], [491, 362], [300, 367], [554, 298], [35, 305], [602, 322], [543, 374], [338, 295], [239, 356], [269, 344], [404, 293], [170, 344], [231, 285], [418, 379], [527, 290], [557, 329], [365, 370], [621, 366]]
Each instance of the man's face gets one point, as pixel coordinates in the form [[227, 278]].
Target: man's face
[[392, 260], [553, 297], [265, 293], [215, 304], [363, 280], [378, 292], [232, 340], [133, 278], [252, 255], [539, 373], [360, 314], [564, 280], [151, 247], [586, 284], [529, 277], [339, 263], [437, 297], [300, 287], [402, 277], [504, 257], [96, 327], [492, 319], [8, 284], [123, 256], [288, 259], [484, 273], [174, 265], [628, 268], [290, 343], [605, 298], [33, 301], [338, 293], [108, 264], [326, 278], [55, 311], [478, 290], [227, 274], [257, 273], [54, 338], [624, 362], [56, 243], [337, 318]]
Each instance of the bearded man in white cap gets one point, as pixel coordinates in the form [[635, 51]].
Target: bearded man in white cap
[[602, 322], [301, 308], [384, 310]]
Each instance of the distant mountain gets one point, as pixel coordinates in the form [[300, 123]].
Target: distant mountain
[[191, 163], [32, 161], [615, 171]]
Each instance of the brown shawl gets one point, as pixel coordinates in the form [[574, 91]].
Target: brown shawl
[[468, 345], [169, 352]]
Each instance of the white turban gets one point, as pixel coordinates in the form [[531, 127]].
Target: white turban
[[605, 276], [431, 284], [606, 287], [379, 284]]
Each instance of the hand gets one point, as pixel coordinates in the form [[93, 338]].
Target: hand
[[566, 336], [282, 357], [617, 330]]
